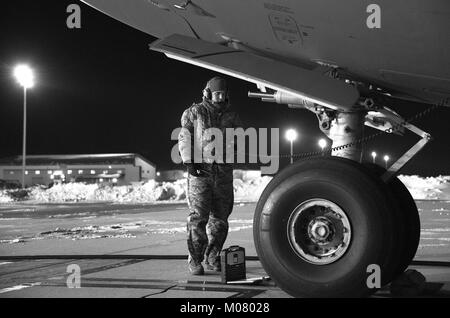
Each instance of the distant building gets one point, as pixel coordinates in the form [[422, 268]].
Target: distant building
[[170, 175], [92, 168]]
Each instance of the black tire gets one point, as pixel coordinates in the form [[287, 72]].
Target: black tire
[[367, 206], [408, 219]]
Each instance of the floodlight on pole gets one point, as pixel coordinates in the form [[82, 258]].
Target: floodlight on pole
[[386, 159], [25, 77], [374, 155], [291, 135]]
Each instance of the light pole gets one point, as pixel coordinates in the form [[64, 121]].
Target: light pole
[[291, 135], [374, 155], [322, 144], [24, 76], [386, 159]]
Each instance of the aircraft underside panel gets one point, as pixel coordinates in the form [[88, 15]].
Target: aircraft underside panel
[[306, 32], [276, 75], [150, 17]]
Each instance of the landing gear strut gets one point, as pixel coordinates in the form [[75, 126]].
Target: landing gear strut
[[344, 128]]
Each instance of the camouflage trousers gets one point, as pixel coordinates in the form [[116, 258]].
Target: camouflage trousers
[[210, 198]]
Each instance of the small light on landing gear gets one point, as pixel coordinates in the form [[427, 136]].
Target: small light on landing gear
[[386, 159], [374, 155], [322, 144]]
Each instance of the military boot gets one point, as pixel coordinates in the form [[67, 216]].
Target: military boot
[[213, 263], [195, 268]]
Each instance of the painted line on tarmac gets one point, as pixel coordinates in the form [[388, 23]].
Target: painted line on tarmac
[[105, 256], [110, 266], [248, 294], [85, 272], [161, 257], [236, 292], [184, 285], [34, 268], [18, 287], [5, 263], [266, 286]]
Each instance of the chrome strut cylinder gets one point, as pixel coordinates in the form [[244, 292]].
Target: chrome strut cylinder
[[343, 128]]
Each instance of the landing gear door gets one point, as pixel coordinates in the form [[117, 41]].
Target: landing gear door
[[308, 85]]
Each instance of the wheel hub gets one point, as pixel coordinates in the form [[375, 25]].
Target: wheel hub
[[319, 231]]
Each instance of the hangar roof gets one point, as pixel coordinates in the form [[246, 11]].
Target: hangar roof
[[101, 159]]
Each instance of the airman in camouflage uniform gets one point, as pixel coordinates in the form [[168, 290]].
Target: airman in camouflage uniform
[[210, 177]]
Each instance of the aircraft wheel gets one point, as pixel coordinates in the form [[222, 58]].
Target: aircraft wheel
[[408, 219], [319, 224]]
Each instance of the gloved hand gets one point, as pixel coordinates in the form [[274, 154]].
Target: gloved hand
[[194, 169]]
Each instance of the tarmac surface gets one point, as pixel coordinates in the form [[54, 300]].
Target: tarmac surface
[[140, 251]]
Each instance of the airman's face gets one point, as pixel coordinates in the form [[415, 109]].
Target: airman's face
[[218, 96]]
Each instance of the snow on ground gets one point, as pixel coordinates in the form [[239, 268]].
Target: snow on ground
[[248, 186], [120, 230]]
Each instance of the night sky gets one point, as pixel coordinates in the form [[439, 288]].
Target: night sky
[[100, 90]]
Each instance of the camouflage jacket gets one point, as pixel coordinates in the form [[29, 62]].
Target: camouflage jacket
[[201, 123]]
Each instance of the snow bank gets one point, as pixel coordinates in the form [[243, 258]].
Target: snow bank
[[248, 186], [147, 192], [431, 188], [5, 197]]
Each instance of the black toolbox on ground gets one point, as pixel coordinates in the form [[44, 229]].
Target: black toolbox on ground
[[232, 261]]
